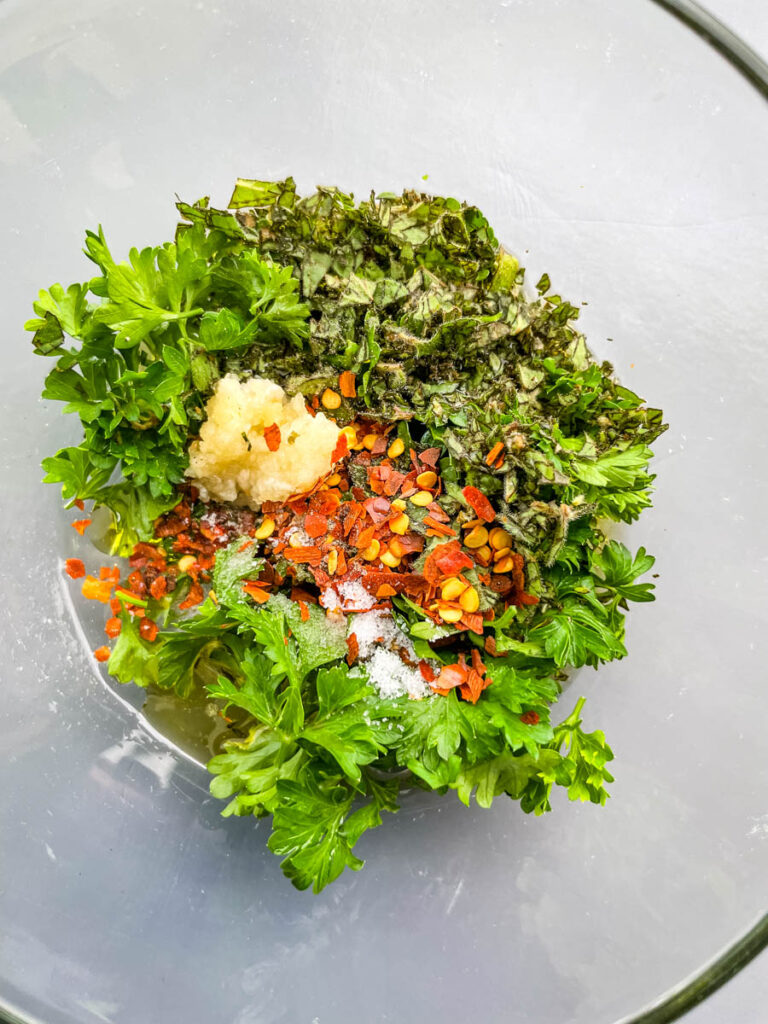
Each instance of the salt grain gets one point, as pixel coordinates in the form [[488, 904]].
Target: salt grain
[[355, 596], [379, 641]]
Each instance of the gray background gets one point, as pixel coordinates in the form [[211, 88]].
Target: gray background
[[609, 146], [743, 999]]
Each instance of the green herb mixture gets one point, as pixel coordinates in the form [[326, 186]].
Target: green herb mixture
[[483, 457]]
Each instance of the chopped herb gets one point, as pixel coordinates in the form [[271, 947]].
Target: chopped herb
[[420, 606]]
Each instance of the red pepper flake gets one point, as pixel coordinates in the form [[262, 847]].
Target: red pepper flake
[[341, 451], [473, 621], [473, 687], [116, 605], [309, 409], [380, 445], [315, 401], [81, 525], [393, 483], [353, 649], [479, 504], [347, 384], [195, 596], [102, 654], [79, 503], [74, 568], [378, 508], [272, 437], [158, 587], [408, 544], [304, 554], [112, 627], [438, 512], [430, 457], [427, 672], [529, 718], [445, 560], [315, 525], [148, 630], [136, 582]]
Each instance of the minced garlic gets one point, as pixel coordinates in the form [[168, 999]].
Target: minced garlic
[[233, 461]]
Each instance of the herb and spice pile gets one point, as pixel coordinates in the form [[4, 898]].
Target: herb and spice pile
[[364, 480]]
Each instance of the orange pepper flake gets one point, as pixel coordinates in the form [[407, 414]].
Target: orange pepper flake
[[304, 610], [450, 677], [112, 627], [112, 574], [315, 401], [115, 605], [479, 503], [494, 453], [365, 537], [353, 649], [79, 503], [74, 568], [256, 590], [310, 555], [315, 525], [81, 525], [529, 718], [272, 437], [97, 590], [477, 662], [245, 545], [347, 384], [148, 630], [385, 591], [102, 654], [341, 450], [437, 529]]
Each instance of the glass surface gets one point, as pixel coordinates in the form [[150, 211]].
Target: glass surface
[[609, 145]]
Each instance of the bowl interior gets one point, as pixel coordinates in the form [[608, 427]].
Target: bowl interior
[[609, 146]]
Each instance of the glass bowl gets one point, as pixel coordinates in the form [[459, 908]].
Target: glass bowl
[[609, 145]]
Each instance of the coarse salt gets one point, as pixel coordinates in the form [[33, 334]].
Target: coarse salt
[[380, 640], [355, 597]]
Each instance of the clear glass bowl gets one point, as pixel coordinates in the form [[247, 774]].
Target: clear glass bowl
[[609, 145]]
